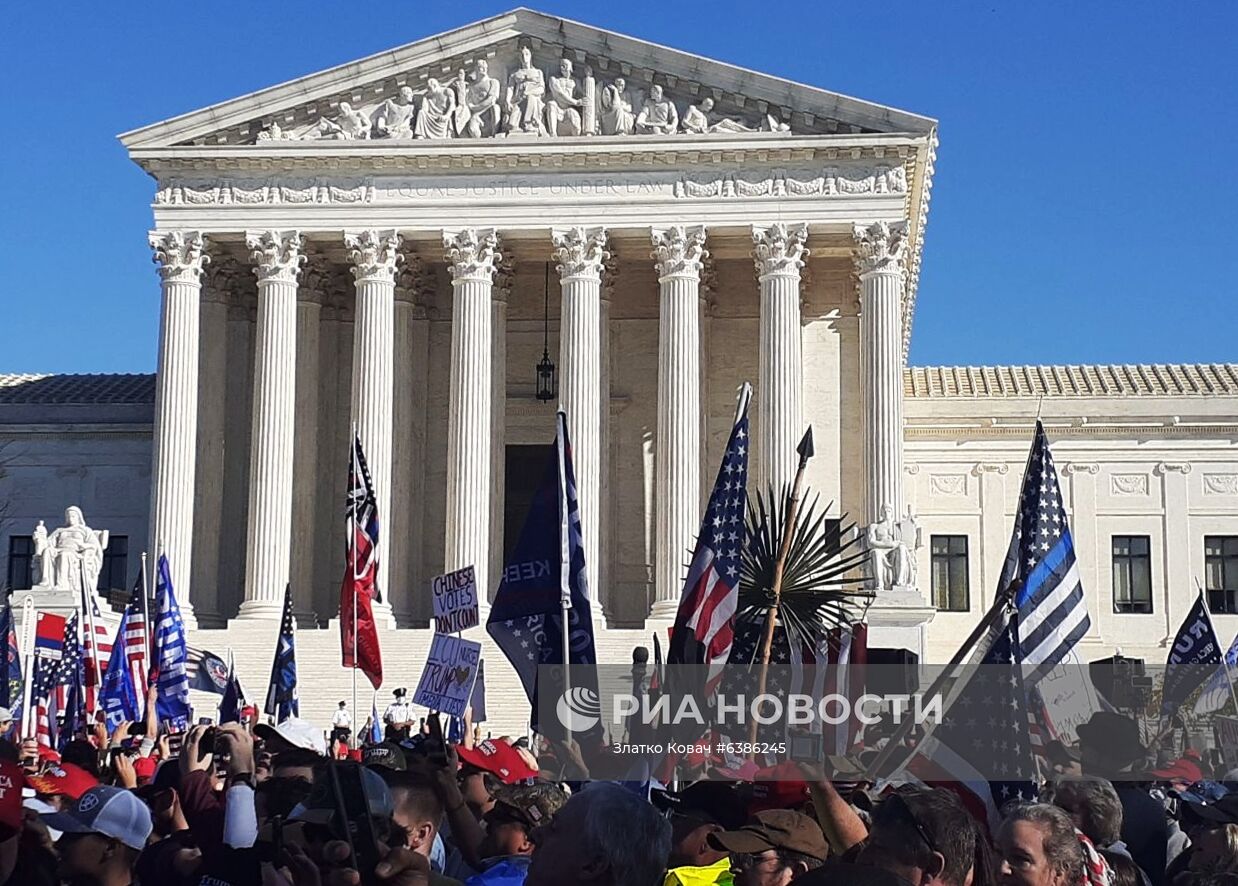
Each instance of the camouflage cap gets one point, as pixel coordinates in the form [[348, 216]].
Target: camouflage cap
[[530, 804]]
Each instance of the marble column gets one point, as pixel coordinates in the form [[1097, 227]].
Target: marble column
[[375, 255], [408, 440], [180, 256], [472, 255], [504, 278], [779, 255], [879, 261], [678, 253], [316, 279], [222, 277], [277, 259], [580, 253], [606, 541]]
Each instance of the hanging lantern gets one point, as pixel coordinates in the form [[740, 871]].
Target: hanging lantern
[[547, 373]]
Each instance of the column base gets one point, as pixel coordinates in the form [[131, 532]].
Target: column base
[[664, 610], [259, 610]]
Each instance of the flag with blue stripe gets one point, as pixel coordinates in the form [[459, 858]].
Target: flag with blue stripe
[[119, 697], [376, 732], [172, 680], [1040, 564], [281, 700]]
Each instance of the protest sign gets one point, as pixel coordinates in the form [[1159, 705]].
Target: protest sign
[[447, 680], [455, 601]]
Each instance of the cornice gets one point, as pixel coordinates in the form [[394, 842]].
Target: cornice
[[1075, 430]]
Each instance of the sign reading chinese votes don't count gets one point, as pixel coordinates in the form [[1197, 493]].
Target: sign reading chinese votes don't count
[[455, 601], [451, 669]]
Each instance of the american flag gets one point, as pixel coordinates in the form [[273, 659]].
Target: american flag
[[49, 643], [981, 749], [123, 694], [704, 628], [281, 700], [1040, 564], [96, 651]]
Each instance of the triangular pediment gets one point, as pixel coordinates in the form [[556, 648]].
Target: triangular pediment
[[435, 88]]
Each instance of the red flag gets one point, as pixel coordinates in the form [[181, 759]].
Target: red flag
[[360, 587]]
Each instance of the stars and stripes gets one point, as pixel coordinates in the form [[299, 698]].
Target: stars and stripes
[[1040, 564], [981, 748], [359, 590], [49, 643], [704, 624], [97, 645], [281, 699], [169, 673], [11, 683]]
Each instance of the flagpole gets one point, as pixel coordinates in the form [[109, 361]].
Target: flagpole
[[88, 610], [565, 555], [788, 530], [29, 619], [1229, 676], [352, 542]]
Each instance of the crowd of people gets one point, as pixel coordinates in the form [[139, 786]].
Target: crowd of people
[[292, 803]]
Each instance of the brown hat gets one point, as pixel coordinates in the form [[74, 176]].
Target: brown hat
[[774, 829], [530, 804]]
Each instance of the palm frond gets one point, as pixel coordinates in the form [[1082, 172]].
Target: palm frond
[[823, 578]]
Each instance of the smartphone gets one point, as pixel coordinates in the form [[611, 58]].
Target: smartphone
[[807, 747], [352, 821], [175, 742], [205, 721], [206, 744]]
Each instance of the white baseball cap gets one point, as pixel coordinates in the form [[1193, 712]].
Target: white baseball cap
[[293, 732], [112, 812], [6, 715]]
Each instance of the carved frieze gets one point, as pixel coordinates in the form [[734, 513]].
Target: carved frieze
[[1128, 484], [948, 484], [1220, 484], [828, 182]]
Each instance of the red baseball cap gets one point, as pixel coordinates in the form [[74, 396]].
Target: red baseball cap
[[497, 756], [1184, 769], [12, 780], [144, 768], [64, 778]]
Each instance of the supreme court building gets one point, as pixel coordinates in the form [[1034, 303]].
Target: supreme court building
[[393, 244]]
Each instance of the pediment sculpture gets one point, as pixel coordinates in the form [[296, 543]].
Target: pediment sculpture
[[529, 100], [69, 556]]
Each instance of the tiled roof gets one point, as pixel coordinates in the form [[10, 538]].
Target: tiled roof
[[1159, 380], [77, 389]]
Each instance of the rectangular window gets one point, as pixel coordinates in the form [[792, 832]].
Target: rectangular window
[[114, 574], [1132, 574], [1221, 572], [21, 561], [949, 554]]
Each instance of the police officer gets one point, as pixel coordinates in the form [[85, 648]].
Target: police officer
[[398, 717]]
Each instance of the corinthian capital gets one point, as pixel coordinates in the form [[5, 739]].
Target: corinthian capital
[[779, 249], [277, 255], [580, 251], [472, 254], [375, 255], [881, 247], [180, 255], [679, 250]]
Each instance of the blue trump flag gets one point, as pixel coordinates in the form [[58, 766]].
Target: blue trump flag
[[171, 679], [119, 697], [233, 699], [376, 732], [1193, 658], [281, 700], [547, 564]]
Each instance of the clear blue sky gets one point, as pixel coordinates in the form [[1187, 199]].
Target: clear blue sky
[[1085, 190]]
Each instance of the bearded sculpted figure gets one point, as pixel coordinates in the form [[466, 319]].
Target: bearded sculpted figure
[[563, 108], [617, 117], [394, 117], [526, 96], [658, 115], [482, 97], [434, 117]]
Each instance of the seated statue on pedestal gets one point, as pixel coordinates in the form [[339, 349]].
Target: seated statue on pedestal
[[891, 550], [70, 555]]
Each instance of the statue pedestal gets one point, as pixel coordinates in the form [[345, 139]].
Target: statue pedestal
[[899, 619], [60, 602]]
